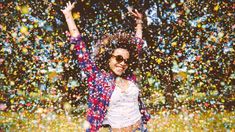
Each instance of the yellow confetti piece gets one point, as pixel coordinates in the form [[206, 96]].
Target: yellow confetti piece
[[51, 75], [24, 29], [216, 8], [199, 25], [183, 74], [220, 34], [148, 74], [35, 25], [76, 15], [15, 73], [101, 50], [173, 44], [18, 8], [25, 9], [184, 45], [211, 68], [213, 86], [213, 38], [12, 83], [61, 44], [12, 101], [39, 110], [67, 106], [66, 60], [159, 60], [4, 27], [24, 50]]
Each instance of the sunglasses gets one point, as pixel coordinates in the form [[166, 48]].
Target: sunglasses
[[120, 59]]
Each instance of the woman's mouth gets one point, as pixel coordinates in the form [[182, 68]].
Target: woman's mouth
[[120, 68]]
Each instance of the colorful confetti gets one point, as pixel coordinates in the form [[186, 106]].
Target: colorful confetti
[[186, 72]]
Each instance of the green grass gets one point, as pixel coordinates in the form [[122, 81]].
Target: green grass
[[195, 121], [46, 120]]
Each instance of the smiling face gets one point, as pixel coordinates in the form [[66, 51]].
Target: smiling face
[[116, 66]]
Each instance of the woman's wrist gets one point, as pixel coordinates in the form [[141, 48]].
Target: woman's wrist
[[139, 26], [138, 21], [67, 14]]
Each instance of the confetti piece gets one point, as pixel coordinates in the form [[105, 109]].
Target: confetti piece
[[76, 15], [24, 50], [25, 9], [24, 29], [216, 8]]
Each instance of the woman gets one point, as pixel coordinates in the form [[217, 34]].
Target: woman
[[113, 93]]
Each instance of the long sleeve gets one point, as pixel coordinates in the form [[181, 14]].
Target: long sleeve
[[83, 56], [145, 116], [98, 86], [139, 42]]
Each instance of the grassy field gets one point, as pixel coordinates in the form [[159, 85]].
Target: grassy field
[[46, 120]]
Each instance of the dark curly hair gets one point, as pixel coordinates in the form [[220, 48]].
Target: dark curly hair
[[107, 45]]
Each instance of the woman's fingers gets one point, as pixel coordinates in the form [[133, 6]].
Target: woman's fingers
[[130, 10], [135, 13], [73, 4], [69, 6]]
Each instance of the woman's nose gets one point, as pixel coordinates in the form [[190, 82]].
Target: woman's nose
[[123, 63]]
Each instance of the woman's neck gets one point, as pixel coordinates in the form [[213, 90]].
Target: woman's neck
[[122, 83], [120, 79]]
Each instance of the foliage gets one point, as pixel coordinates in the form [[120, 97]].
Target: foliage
[[46, 120], [188, 58]]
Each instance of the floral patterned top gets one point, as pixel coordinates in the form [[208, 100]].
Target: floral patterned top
[[101, 85]]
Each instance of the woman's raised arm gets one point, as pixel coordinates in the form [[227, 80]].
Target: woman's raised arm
[[138, 18], [83, 56], [67, 11]]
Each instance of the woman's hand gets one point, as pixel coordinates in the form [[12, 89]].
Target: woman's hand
[[67, 11], [68, 8], [138, 19], [135, 13]]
